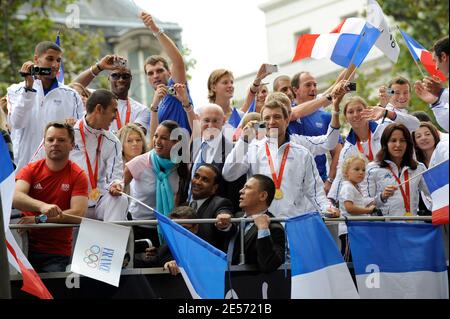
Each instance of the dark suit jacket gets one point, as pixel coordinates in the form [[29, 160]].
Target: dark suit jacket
[[210, 209], [226, 189], [267, 253]]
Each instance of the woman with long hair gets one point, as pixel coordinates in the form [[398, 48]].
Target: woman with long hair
[[159, 177], [390, 179], [365, 134]]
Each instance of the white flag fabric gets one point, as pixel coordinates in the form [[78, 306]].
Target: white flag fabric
[[99, 251], [386, 42]]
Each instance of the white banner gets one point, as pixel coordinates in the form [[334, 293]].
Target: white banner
[[99, 251]]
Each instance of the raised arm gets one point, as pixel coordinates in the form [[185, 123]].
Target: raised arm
[[253, 90], [108, 62], [178, 68]]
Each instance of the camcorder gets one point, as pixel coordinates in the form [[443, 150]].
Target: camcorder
[[351, 86], [37, 70]]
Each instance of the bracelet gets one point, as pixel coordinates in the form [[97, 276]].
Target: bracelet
[[335, 112], [92, 72], [254, 93], [157, 34], [98, 67], [187, 108], [154, 108], [255, 84], [330, 180], [329, 97]]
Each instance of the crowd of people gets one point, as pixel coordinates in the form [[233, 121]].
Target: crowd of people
[[76, 150]]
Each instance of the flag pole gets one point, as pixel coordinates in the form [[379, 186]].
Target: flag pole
[[5, 288], [420, 174], [352, 66], [409, 50], [138, 201]]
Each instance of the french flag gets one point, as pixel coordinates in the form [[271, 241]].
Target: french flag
[[201, 264], [436, 179], [235, 118], [31, 281], [398, 260], [317, 267], [419, 53], [353, 34]]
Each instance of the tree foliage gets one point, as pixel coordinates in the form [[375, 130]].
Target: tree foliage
[[426, 21], [21, 33]]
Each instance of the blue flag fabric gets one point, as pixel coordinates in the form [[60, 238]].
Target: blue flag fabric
[[60, 74], [400, 260], [235, 118], [348, 43], [202, 265]]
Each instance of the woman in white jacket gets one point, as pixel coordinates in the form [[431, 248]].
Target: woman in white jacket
[[365, 134], [391, 178]]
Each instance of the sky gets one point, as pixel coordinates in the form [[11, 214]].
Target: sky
[[227, 34]]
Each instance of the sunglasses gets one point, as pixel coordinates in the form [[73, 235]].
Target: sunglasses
[[125, 76]]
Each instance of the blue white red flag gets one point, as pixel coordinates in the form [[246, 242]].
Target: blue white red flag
[[347, 44], [398, 260], [419, 53], [436, 179], [201, 265], [31, 281], [317, 267]]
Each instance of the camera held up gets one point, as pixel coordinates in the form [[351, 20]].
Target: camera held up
[[37, 70]]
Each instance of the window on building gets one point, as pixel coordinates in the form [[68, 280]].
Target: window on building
[[140, 90], [299, 34]]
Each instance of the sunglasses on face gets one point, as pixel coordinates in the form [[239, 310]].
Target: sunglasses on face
[[124, 76]]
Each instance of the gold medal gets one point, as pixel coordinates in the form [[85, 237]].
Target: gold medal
[[408, 214], [94, 194], [278, 194]]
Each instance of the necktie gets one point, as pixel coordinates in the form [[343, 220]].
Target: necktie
[[203, 149], [194, 205]]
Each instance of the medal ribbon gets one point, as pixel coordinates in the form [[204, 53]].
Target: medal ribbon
[[405, 192], [361, 150], [277, 180], [127, 116], [92, 177]]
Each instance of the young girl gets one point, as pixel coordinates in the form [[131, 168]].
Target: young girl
[[351, 199]]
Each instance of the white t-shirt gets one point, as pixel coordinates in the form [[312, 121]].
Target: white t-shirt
[[350, 193], [143, 186]]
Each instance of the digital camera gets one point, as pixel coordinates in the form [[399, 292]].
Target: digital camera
[[121, 63], [171, 90], [262, 125], [351, 86], [390, 92]]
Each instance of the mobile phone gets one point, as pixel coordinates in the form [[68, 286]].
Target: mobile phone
[[271, 68], [351, 86]]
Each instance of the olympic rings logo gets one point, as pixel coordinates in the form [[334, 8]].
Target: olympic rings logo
[[92, 256]]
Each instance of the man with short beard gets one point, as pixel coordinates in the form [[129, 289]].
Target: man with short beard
[[51, 190]]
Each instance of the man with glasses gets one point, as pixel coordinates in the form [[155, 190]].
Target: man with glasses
[[128, 109]]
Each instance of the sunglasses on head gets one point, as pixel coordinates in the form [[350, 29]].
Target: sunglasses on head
[[125, 76]]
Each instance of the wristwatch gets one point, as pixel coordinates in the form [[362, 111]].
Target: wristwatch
[[40, 219]]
